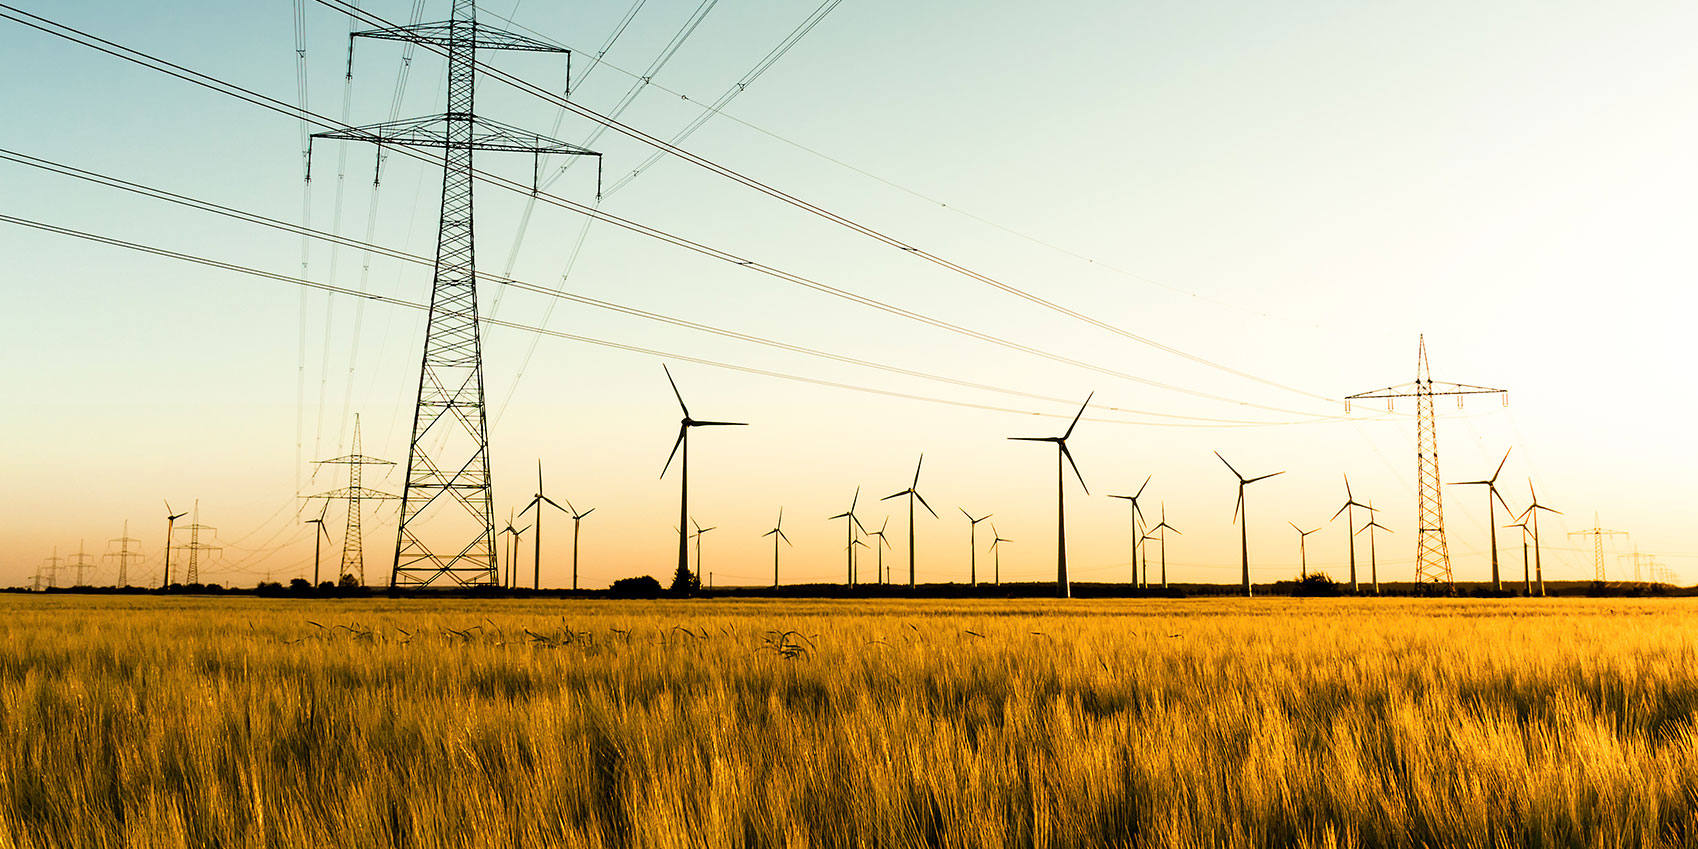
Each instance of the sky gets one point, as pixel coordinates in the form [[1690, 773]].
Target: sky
[[1282, 198]]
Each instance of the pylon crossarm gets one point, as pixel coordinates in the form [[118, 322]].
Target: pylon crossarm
[[469, 33], [432, 132]]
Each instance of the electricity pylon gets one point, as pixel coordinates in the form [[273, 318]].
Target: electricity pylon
[[195, 546], [52, 564], [1597, 533], [353, 549], [79, 562], [1638, 562], [1432, 553], [447, 525], [124, 555]]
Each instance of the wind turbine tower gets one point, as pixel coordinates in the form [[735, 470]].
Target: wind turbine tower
[[1303, 547], [850, 523], [997, 539], [1164, 527], [353, 548], [777, 534], [1491, 485], [683, 572], [973, 545], [1137, 531], [913, 493], [1432, 554], [1350, 505], [447, 525], [1597, 533], [1373, 556], [1241, 511], [537, 503], [1063, 587]]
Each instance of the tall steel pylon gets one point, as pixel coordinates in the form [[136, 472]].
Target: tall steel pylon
[[1432, 553], [1597, 533], [447, 525], [353, 550]]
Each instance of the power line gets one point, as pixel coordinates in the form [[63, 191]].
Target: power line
[[343, 290], [247, 95], [815, 209], [156, 193]]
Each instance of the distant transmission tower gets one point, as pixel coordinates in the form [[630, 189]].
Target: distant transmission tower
[[79, 562], [1597, 533], [447, 526], [195, 546], [1432, 553], [52, 568], [353, 555], [1638, 562], [124, 555]]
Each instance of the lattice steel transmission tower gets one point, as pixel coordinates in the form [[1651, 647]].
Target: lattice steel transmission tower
[[1597, 533], [447, 525], [1432, 553], [79, 562], [124, 555], [195, 546], [353, 553]]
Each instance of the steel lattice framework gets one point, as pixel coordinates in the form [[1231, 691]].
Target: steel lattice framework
[[447, 525], [353, 547], [1432, 553]]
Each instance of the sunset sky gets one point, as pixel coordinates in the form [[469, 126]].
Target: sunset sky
[[1287, 194]]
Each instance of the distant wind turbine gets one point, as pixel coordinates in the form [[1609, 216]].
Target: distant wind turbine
[[1137, 529], [883, 577], [1302, 546], [1532, 514], [700, 532], [170, 525], [319, 534], [577, 519], [537, 503], [973, 544], [1373, 557], [1350, 505], [1164, 527], [1241, 508], [913, 493], [850, 523], [996, 551], [1526, 568], [684, 467], [1063, 587], [777, 533], [1491, 485]]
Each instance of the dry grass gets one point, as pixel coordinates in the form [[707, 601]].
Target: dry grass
[[237, 723]]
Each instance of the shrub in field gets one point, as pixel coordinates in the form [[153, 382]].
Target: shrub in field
[[640, 587]]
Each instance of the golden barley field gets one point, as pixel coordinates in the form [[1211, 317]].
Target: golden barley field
[[147, 722]]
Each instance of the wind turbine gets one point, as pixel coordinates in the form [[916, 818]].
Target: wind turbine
[[913, 493], [537, 502], [1532, 513], [317, 535], [973, 544], [170, 525], [1491, 485], [576, 519], [1164, 527], [851, 522], [1373, 558], [700, 532], [883, 577], [1241, 507], [513, 549], [777, 533], [1350, 505], [1526, 571], [1302, 546], [996, 551], [683, 442], [1137, 524], [1063, 588]]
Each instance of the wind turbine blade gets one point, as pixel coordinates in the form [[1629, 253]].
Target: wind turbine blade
[[1076, 416], [1239, 503], [720, 424], [1142, 488], [887, 524], [1229, 466], [682, 431], [583, 514], [965, 513], [890, 496], [857, 520], [770, 533], [846, 515], [1500, 464], [785, 538], [1033, 439], [1341, 511], [1468, 483], [1069, 455], [1294, 526], [528, 507], [552, 504], [539, 477], [922, 462], [1499, 497], [924, 504], [1263, 478], [1348, 495], [675, 390], [326, 510]]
